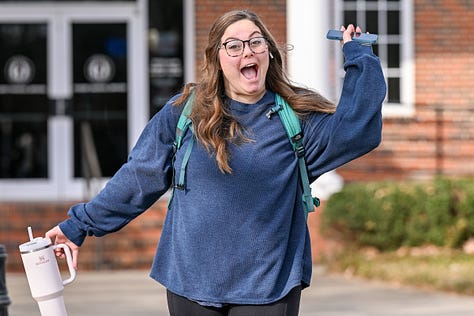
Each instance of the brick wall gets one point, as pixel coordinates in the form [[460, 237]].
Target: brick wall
[[439, 137], [133, 247], [444, 37]]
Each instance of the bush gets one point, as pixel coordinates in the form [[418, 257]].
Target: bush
[[388, 215]]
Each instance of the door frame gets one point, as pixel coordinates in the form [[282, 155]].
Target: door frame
[[59, 17]]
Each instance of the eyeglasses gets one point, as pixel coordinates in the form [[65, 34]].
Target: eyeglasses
[[236, 47]]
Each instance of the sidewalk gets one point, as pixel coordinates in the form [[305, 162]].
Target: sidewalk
[[125, 293]]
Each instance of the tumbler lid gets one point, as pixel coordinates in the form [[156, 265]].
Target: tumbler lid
[[35, 244]]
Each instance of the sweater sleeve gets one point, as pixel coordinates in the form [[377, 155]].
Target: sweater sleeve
[[135, 186], [332, 140]]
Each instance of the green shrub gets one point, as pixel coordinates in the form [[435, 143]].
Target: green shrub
[[387, 215]]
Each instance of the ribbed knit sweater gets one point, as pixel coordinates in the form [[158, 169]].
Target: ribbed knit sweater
[[238, 238]]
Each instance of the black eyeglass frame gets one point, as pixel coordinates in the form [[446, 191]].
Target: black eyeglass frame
[[243, 45]]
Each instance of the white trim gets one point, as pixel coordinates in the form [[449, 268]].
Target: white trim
[[189, 42], [391, 110], [61, 154], [138, 110], [27, 11], [59, 58], [408, 55]]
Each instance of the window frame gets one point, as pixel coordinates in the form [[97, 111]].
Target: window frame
[[405, 39]]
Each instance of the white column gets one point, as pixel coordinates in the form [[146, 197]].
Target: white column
[[307, 25], [308, 63], [61, 156], [138, 90], [59, 58], [189, 42]]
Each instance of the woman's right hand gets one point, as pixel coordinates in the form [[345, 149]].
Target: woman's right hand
[[348, 33], [57, 237]]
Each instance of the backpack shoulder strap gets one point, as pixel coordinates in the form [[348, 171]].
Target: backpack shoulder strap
[[293, 129], [184, 122]]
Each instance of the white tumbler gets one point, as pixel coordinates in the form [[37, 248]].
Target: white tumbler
[[43, 274]]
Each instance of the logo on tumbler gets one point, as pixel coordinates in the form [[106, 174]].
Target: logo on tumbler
[[42, 260]]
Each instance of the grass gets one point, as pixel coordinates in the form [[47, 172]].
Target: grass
[[446, 270]]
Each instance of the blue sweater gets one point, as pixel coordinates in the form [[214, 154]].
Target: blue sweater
[[238, 238]]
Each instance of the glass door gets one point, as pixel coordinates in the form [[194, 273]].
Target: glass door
[[99, 107], [24, 104], [73, 95]]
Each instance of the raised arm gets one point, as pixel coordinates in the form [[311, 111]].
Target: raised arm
[[332, 140]]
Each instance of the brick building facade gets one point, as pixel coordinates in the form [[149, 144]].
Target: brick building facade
[[434, 138], [437, 138]]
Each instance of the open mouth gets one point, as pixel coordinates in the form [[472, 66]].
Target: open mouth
[[249, 71]]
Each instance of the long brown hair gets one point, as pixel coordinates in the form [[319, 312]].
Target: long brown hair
[[213, 125]]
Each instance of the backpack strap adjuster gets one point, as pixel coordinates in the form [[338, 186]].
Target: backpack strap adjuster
[[179, 186], [298, 144]]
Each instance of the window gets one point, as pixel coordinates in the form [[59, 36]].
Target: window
[[24, 107], [166, 53], [99, 103], [392, 20]]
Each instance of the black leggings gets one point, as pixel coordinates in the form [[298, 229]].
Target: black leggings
[[287, 306]]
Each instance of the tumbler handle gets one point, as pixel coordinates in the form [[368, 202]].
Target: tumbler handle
[[72, 271]]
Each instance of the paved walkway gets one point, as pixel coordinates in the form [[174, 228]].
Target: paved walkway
[[126, 293]]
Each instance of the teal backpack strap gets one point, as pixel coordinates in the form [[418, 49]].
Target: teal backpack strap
[[293, 129], [184, 123]]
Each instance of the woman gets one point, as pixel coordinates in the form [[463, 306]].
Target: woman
[[235, 240]]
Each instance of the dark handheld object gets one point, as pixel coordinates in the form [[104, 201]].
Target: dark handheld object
[[363, 38]]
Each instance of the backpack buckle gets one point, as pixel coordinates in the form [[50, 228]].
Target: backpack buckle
[[179, 186], [272, 111], [298, 143]]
